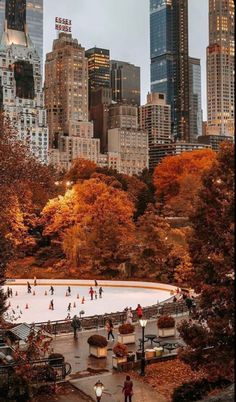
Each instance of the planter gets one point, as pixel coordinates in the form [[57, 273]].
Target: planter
[[131, 357], [158, 351], [166, 332], [97, 351], [118, 360], [126, 338], [150, 353]]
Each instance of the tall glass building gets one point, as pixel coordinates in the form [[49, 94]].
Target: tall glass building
[[169, 60], [34, 20], [195, 101]]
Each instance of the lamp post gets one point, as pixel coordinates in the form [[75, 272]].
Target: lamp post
[[98, 388], [143, 324]]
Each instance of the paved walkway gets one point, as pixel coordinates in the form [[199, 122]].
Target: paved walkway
[[113, 384], [76, 352]]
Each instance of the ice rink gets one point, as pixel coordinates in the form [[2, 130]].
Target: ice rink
[[114, 298]]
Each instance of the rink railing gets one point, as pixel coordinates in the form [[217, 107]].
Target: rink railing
[[98, 321]]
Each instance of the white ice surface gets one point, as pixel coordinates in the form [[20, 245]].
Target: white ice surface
[[114, 299]]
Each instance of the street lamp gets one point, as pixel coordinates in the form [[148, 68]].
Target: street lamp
[[98, 388], [143, 324]]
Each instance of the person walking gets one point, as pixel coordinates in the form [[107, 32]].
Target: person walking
[[129, 316], [51, 290], [128, 389], [76, 325], [109, 328], [139, 311], [28, 287], [100, 292], [91, 292], [189, 304]]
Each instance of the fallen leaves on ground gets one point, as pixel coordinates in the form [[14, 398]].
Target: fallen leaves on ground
[[166, 376]]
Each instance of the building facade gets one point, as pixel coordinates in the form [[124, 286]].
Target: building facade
[[66, 99], [34, 20], [195, 99], [122, 115], [214, 140], [220, 68], [99, 113], [125, 82], [155, 118], [22, 97], [169, 60], [98, 67]]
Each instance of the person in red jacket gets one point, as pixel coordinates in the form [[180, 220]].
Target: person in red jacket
[[139, 311], [128, 389]]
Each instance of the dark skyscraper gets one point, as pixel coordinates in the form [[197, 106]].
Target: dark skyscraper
[[98, 67], [32, 10], [169, 60], [195, 95], [125, 82]]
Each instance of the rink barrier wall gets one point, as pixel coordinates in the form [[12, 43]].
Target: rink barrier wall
[[98, 322]]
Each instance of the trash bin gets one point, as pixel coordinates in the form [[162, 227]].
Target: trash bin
[[158, 351]]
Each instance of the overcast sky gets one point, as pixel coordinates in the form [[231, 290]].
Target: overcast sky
[[123, 27]]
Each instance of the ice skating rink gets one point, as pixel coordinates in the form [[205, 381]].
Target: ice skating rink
[[116, 296]]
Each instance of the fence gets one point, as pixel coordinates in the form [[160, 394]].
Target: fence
[[98, 321]]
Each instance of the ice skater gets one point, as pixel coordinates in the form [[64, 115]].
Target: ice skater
[[95, 283], [11, 292], [51, 305], [8, 292], [69, 290], [69, 307], [100, 292], [91, 292], [95, 295], [51, 290], [28, 287], [35, 281]]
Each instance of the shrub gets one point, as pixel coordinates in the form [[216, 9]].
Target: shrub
[[120, 350], [97, 340], [166, 321], [192, 391], [126, 329]]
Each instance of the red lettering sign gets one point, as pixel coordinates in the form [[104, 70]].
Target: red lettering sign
[[62, 24]]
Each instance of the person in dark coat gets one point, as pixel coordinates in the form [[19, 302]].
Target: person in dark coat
[[100, 292], [52, 290], [29, 287], [76, 325], [139, 311], [128, 389]]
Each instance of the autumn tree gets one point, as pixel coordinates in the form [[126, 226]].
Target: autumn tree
[[178, 180], [212, 254], [81, 169], [152, 249]]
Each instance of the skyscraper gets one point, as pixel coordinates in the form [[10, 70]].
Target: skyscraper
[[169, 60], [195, 102], [220, 68], [66, 99], [21, 82], [125, 82], [34, 20], [98, 67], [155, 118]]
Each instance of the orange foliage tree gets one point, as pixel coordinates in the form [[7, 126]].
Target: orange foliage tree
[[94, 221], [178, 180]]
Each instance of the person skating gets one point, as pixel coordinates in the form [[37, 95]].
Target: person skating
[[35, 281], [69, 290], [76, 325], [28, 287], [95, 283], [52, 305], [8, 292], [128, 389], [100, 292], [51, 290], [69, 307], [109, 328], [91, 292], [11, 292], [139, 311], [95, 295]]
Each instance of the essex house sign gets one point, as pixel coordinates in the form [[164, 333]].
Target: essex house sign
[[63, 24]]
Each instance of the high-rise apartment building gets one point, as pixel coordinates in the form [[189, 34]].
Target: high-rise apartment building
[[195, 99], [34, 19], [21, 93], [155, 118], [220, 68], [127, 144], [169, 60], [98, 67], [125, 82], [99, 113], [66, 99]]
